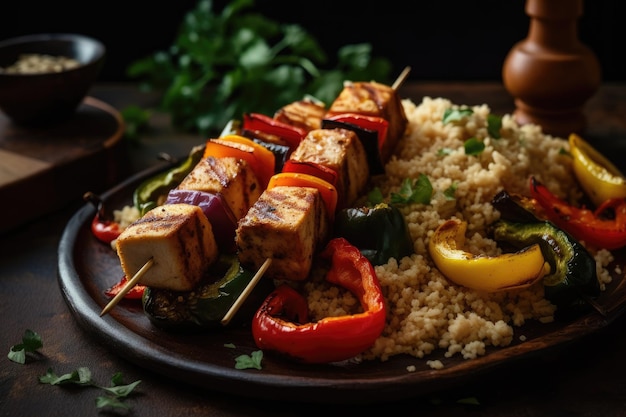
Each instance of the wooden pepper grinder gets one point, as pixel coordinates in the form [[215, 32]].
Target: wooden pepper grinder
[[550, 73]]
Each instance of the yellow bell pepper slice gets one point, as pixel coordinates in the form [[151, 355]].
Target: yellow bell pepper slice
[[598, 177], [480, 272]]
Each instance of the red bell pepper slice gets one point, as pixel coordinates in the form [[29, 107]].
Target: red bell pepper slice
[[603, 228], [281, 324], [312, 168], [135, 293], [327, 191], [377, 124], [293, 135]]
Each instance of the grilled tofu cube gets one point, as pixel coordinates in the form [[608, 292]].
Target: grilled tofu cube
[[305, 114], [232, 177], [286, 224], [374, 99], [178, 237], [341, 150]]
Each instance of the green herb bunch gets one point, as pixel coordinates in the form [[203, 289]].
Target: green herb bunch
[[224, 64]]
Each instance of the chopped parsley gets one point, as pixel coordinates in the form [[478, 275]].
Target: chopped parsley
[[249, 361]]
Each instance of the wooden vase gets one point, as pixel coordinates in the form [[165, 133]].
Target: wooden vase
[[550, 73]]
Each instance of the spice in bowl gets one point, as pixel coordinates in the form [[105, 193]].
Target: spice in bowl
[[40, 64]]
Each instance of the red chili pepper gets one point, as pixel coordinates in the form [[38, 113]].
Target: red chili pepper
[[135, 293], [291, 134], [330, 339], [105, 230], [604, 228]]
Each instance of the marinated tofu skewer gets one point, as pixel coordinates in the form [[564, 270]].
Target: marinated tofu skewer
[[347, 186], [177, 240]]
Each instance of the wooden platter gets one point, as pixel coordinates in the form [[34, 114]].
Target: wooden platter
[[44, 168]]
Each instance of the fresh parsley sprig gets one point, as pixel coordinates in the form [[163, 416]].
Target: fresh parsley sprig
[[223, 64]]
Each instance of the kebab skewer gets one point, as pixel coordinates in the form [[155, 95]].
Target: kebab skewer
[[365, 111]]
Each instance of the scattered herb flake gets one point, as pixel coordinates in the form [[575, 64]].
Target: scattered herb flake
[[444, 151], [449, 192], [494, 124], [473, 146], [81, 376], [229, 345], [115, 394], [456, 115], [420, 191], [249, 361]]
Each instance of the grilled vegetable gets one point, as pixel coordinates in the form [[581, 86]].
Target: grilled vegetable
[[600, 179], [153, 191], [572, 278], [603, 228], [260, 159], [292, 135], [282, 325], [380, 232], [209, 301], [222, 219], [485, 273]]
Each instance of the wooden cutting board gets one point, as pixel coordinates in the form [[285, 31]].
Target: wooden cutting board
[[44, 168]]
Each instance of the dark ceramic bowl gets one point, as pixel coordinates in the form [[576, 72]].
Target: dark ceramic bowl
[[47, 97]]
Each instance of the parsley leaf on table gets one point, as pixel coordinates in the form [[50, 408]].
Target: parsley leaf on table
[[31, 342]]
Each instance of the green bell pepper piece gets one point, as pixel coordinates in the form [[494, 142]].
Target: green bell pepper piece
[[153, 191], [573, 278], [206, 305], [380, 232]]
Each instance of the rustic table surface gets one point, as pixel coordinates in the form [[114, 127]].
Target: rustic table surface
[[587, 378]]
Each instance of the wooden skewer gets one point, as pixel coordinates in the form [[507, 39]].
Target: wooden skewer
[[403, 75], [129, 285], [246, 292]]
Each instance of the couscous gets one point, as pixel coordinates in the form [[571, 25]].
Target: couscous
[[426, 312]]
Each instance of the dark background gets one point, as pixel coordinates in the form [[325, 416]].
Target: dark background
[[440, 40]]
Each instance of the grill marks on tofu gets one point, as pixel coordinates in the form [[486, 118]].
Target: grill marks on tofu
[[342, 151], [286, 224], [374, 99], [305, 114], [232, 177], [179, 238]]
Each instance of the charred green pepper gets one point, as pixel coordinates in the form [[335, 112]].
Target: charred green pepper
[[153, 191], [572, 280], [380, 232], [206, 305]]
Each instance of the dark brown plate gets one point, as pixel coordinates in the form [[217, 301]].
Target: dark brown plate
[[87, 267]]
